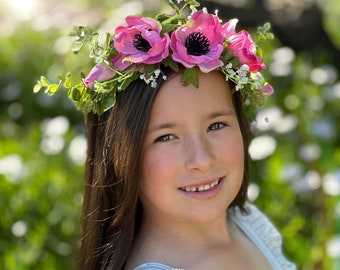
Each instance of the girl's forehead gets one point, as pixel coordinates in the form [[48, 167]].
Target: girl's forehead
[[174, 97]]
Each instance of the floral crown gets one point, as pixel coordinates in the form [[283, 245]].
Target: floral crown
[[139, 49]]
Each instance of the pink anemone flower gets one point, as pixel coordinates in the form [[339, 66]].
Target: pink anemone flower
[[140, 42], [99, 73], [199, 44], [242, 46]]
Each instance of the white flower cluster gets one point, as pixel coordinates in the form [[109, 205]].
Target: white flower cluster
[[240, 77], [153, 78]]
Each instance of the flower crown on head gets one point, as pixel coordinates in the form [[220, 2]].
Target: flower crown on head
[[138, 50]]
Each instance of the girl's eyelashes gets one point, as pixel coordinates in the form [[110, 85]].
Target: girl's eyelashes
[[216, 126], [169, 137], [165, 138]]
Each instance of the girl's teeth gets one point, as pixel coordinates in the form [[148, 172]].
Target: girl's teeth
[[201, 188]]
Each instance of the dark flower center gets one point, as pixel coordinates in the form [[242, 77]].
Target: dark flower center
[[141, 43], [197, 44]]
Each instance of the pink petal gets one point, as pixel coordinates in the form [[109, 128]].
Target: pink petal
[[99, 73], [229, 28], [119, 63], [208, 66], [137, 21], [124, 40], [267, 89]]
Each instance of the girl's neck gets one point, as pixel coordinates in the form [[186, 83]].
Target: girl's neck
[[182, 242], [184, 233]]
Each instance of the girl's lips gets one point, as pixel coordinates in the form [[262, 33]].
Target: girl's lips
[[202, 187]]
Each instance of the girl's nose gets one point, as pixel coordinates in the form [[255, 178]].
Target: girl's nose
[[199, 154]]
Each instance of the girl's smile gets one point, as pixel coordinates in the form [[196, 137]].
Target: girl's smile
[[204, 191], [201, 187]]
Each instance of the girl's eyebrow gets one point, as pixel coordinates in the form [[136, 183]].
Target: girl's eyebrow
[[212, 115], [163, 126], [219, 113]]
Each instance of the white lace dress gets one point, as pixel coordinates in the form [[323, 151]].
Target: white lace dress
[[259, 230]]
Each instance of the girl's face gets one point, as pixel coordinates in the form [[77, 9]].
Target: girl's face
[[193, 157]]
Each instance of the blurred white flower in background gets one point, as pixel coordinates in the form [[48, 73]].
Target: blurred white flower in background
[[13, 167], [53, 131], [77, 150], [331, 183], [262, 147]]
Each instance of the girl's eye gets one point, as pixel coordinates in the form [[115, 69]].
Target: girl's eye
[[165, 138], [216, 126]]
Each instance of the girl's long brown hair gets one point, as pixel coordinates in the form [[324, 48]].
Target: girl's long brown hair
[[112, 211]]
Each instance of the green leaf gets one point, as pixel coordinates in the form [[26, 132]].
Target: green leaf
[[169, 62], [162, 17], [149, 70], [75, 94], [259, 51], [125, 83], [37, 87], [77, 45], [109, 102], [192, 3], [51, 89], [168, 27], [227, 56], [190, 75], [270, 36], [44, 81], [68, 83], [263, 32], [235, 62], [266, 26]]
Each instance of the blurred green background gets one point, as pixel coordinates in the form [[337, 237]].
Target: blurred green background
[[295, 150]]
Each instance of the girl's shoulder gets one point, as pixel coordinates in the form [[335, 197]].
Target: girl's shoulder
[[262, 232]]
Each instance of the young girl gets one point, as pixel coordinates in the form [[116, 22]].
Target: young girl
[[168, 137]]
